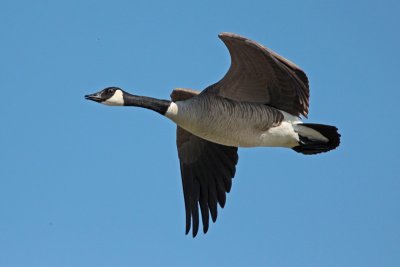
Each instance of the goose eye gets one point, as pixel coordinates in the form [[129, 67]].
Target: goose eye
[[110, 91]]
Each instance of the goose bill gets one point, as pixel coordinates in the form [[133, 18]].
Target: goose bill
[[94, 97]]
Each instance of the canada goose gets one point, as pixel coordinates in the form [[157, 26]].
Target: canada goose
[[257, 103]]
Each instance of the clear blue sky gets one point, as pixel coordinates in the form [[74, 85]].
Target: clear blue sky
[[83, 184]]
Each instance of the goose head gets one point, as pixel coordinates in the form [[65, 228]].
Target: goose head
[[112, 96]]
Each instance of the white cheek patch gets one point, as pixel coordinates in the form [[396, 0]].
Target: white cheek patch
[[116, 100]]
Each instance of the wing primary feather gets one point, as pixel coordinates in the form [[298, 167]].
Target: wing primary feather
[[220, 173], [212, 200], [221, 192], [225, 169], [194, 200], [186, 183], [204, 215], [212, 186], [228, 169], [203, 178]]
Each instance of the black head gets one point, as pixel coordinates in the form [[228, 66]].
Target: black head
[[112, 96]]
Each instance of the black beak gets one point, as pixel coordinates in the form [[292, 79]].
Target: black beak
[[94, 97]]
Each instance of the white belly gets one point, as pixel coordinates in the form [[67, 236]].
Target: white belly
[[280, 136], [231, 131]]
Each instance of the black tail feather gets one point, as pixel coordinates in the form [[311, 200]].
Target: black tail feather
[[310, 145]]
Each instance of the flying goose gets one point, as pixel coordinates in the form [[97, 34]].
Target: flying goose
[[257, 103]]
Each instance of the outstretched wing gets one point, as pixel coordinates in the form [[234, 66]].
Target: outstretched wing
[[207, 170], [259, 75]]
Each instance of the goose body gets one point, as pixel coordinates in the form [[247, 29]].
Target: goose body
[[232, 123], [258, 103]]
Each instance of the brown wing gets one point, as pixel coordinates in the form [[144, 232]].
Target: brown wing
[[257, 74], [180, 94], [207, 170]]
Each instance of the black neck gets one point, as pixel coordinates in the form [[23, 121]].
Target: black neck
[[158, 105]]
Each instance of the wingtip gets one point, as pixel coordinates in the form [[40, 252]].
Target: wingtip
[[214, 218], [205, 229], [223, 34], [188, 224], [194, 233], [230, 35]]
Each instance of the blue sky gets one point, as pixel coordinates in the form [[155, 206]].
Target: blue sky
[[83, 184]]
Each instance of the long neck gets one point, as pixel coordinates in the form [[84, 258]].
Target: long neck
[[158, 105]]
